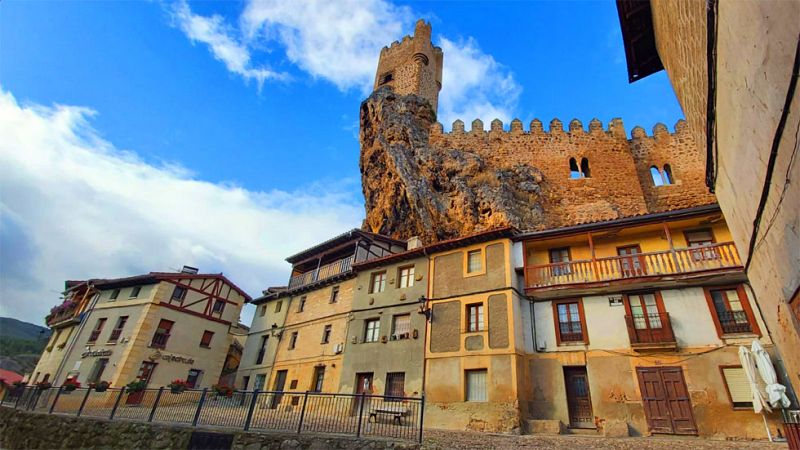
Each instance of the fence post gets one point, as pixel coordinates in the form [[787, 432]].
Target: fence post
[[302, 413], [116, 403], [83, 403], [16, 404], [250, 411], [421, 417], [155, 403], [199, 407], [36, 395], [360, 413], [55, 400]]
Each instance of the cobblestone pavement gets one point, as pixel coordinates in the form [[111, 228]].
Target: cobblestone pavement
[[439, 439]]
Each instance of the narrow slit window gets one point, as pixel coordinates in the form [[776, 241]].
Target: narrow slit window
[[656, 175], [574, 171], [585, 173]]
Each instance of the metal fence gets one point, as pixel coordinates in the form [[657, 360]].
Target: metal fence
[[297, 412]]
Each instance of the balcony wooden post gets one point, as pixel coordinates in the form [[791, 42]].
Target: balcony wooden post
[[595, 273], [675, 260]]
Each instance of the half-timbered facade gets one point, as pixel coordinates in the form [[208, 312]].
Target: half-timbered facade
[[156, 327]]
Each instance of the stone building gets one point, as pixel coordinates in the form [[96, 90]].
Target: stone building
[[736, 81], [156, 327]]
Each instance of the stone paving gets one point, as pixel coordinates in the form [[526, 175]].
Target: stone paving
[[439, 439]]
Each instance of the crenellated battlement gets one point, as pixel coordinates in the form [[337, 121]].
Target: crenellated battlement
[[615, 129]]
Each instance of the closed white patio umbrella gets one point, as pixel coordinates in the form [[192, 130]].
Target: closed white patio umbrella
[[775, 390], [749, 366]]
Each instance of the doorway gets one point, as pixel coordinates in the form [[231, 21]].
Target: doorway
[[579, 401], [145, 373], [280, 383], [363, 386], [666, 400]]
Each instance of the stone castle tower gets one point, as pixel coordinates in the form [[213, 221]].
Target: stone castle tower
[[413, 66], [419, 180]]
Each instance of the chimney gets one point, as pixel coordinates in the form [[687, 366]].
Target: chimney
[[413, 242], [189, 269]]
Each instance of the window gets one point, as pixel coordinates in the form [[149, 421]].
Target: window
[[114, 294], [576, 172], [193, 377], [117, 331], [262, 349], [661, 177], [474, 261], [178, 294], [475, 384], [326, 334], [205, 341], [378, 283], [96, 374], [401, 326], [98, 328], [245, 382], [385, 78], [278, 306], [372, 329], [293, 340], [261, 380], [335, 294], [219, 306], [135, 291], [585, 168], [738, 387], [262, 311], [701, 238], [161, 335], [731, 311], [475, 317], [395, 385], [570, 323], [645, 313], [406, 278], [667, 174], [319, 377], [302, 305], [559, 260]]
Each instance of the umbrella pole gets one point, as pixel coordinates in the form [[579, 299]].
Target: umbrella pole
[[769, 434]]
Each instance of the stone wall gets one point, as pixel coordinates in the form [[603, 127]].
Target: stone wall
[[19, 429]]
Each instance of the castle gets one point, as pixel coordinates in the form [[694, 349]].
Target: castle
[[421, 181]]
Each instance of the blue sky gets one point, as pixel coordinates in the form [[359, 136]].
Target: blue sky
[[224, 134]]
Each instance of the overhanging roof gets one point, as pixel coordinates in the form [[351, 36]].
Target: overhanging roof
[[638, 35]]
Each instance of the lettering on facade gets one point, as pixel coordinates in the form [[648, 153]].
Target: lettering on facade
[[170, 358], [95, 353]]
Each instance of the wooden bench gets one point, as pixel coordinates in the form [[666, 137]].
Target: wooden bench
[[397, 413]]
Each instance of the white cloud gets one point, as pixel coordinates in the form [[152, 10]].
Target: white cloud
[[341, 41], [214, 32], [74, 206]]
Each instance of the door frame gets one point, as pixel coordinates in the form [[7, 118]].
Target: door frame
[[582, 370], [673, 431]]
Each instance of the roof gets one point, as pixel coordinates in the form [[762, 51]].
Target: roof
[[632, 220], [10, 376], [156, 277], [641, 53], [340, 239], [483, 236]]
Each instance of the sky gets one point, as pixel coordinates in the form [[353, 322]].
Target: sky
[[142, 136]]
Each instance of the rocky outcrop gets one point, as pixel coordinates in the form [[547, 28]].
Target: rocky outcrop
[[414, 189]]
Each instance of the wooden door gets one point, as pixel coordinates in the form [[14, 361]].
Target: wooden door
[[280, 383], [579, 401], [363, 386], [666, 400], [145, 373], [631, 265]]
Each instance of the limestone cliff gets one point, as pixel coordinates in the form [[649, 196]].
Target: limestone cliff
[[414, 189]]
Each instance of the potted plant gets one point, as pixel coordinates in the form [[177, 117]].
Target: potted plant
[[43, 385], [101, 386], [178, 386], [223, 390], [136, 386], [70, 384]]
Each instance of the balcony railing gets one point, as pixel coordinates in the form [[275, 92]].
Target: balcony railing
[[326, 271], [570, 332], [115, 334], [734, 322], [647, 329], [667, 262], [159, 340], [95, 334], [62, 316]]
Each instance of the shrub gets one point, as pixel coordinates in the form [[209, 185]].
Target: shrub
[[136, 386], [71, 384], [101, 386], [223, 390]]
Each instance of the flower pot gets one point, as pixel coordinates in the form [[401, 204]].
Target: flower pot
[[176, 390]]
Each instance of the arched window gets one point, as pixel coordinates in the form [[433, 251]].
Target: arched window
[[656, 175], [574, 172], [666, 175], [585, 168]]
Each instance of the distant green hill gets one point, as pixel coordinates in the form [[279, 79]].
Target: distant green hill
[[21, 343]]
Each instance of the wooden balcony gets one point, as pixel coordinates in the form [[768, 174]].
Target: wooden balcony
[[638, 266], [327, 271], [650, 331]]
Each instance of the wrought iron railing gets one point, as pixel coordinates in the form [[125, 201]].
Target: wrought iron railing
[[652, 328], [667, 262], [570, 332], [734, 322], [115, 333], [299, 412], [94, 335], [323, 272], [159, 340]]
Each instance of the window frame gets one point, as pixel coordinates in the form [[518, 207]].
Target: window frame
[[482, 255], [278, 306], [301, 306], [327, 330], [728, 390], [564, 267], [410, 269], [373, 278], [262, 311], [114, 294], [203, 342], [480, 317], [167, 334], [317, 379], [180, 298], [293, 340], [98, 328], [557, 323], [334, 295], [394, 326], [376, 330], [135, 292], [743, 300], [467, 385], [390, 382]]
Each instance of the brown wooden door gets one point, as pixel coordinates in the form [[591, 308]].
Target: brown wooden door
[[579, 401], [278, 385], [631, 265], [666, 400], [648, 317], [363, 386], [145, 373]]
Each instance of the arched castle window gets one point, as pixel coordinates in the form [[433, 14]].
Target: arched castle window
[[661, 177], [385, 78], [585, 168], [574, 172]]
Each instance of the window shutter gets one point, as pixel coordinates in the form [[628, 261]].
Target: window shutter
[[738, 385]]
